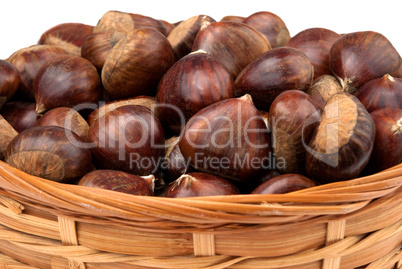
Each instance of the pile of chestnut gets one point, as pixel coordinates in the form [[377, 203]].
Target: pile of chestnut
[[201, 107]]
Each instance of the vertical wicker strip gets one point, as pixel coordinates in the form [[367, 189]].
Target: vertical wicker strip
[[69, 238], [204, 244], [335, 232]]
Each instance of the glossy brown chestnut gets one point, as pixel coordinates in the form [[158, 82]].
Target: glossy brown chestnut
[[274, 72], [343, 141], [192, 83], [66, 81], [7, 133], [387, 150], [68, 36], [200, 184], [293, 117], [136, 64], [119, 181], [9, 81], [102, 110], [284, 184], [125, 22], [182, 36], [316, 43], [49, 152], [234, 44], [21, 115], [233, 18], [356, 58], [385, 92], [323, 88], [228, 138], [66, 118], [128, 138], [96, 47], [28, 61], [271, 25]]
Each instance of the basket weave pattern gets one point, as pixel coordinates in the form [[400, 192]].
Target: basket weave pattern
[[350, 224]]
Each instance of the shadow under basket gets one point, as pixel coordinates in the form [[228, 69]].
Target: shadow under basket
[[350, 224]]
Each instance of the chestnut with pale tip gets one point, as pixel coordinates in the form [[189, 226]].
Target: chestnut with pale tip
[[284, 184], [200, 184], [323, 88], [66, 81], [274, 72], [48, 152], [119, 181], [9, 81]]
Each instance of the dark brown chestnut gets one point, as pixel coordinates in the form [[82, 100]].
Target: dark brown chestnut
[[136, 63], [28, 61], [96, 47], [67, 118], [293, 117], [284, 184], [119, 181], [128, 138], [385, 92], [274, 72], [9, 81], [200, 184], [228, 138], [20, 114], [387, 150], [343, 141], [323, 88], [68, 36], [7, 133], [271, 25], [49, 152], [316, 43], [102, 110], [182, 36], [358, 57], [234, 44], [66, 81], [192, 83], [126, 22]]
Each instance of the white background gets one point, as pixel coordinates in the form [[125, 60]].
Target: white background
[[23, 22]]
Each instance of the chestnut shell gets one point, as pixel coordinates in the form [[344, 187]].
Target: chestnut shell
[[9, 81], [284, 184]]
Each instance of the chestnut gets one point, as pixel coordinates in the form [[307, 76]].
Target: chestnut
[[130, 139], [49, 152], [387, 150], [142, 100], [126, 22], [323, 88], [28, 61], [316, 43], [20, 114], [343, 141], [233, 18], [96, 47], [271, 25], [293, 118], [68, 36], [7, 133], [136, 63], [385, 92], [182, 36], [358, 57], [228, 138], [284, 184], [192, 83], [119, 181], [274, 72], [66, 81], [234, 44], [168, 26], [9, 81], [200, 184], [67, 118]]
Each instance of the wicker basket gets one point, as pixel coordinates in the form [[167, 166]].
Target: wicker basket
[[350, 224]]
